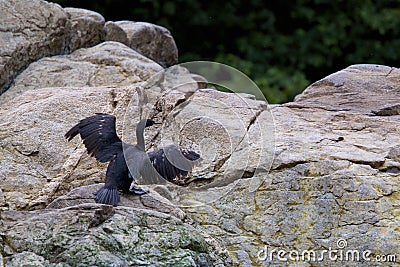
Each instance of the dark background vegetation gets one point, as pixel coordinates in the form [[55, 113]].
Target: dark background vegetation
[[282, 45]]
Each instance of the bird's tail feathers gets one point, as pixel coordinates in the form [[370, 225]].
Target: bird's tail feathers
[[109, 196]]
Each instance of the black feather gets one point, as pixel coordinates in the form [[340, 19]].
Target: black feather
[[166, 169], [72, 132], [99, 136], [109, 196]]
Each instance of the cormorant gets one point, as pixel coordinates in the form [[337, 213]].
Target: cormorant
[[102, 142]]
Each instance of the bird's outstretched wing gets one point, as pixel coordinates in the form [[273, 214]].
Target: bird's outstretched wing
[[99, 136], [117, 178], [170, 163]]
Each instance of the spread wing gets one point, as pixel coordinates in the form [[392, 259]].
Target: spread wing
[[173, 162], [99, 136]]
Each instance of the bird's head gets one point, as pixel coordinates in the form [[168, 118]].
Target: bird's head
[[150, 122]]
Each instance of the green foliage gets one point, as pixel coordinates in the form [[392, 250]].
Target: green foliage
[[282, 45]]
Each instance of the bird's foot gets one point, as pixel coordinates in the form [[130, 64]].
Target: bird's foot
[[137, 190]]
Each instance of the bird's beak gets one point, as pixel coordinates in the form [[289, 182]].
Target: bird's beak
[[158, 123]]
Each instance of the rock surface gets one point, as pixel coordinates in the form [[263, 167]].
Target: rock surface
[[29, 30], [152, 200], [87, 28], [33, 29], [152, 41], [106, 64], [93, 234], [335, 174]]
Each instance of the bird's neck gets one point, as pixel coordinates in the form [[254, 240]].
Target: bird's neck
[[139, 134]]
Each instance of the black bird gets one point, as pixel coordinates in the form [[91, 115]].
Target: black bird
[[102, 142]]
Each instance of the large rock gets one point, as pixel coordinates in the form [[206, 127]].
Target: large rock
[[335, 175], [150, 40], [98, 235], [32, 29], [366, 89], [107, 64], [87, 28], [46, 29], [29, 30]]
